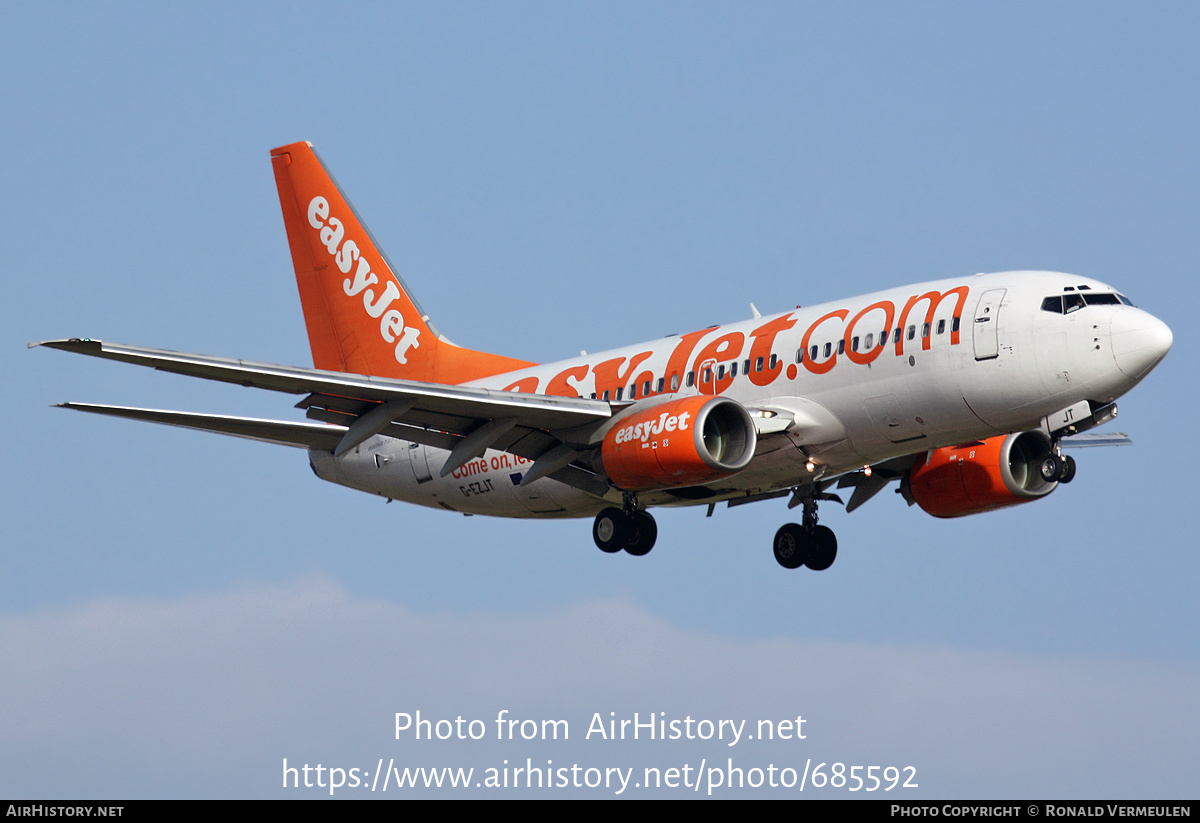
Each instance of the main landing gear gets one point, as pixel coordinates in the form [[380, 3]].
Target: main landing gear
[[808, 545], [628, 528], [635, 531]]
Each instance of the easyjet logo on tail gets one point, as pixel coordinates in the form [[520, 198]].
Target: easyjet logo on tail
[[377, 303]]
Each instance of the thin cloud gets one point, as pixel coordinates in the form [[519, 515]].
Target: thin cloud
[[206, 695]]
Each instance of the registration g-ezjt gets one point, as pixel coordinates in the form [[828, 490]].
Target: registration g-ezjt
[[965, 391]]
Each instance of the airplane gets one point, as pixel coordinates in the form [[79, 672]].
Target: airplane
[[964, 390]]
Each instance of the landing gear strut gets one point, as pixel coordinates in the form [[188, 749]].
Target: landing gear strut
[[808, 545], [628, 528]]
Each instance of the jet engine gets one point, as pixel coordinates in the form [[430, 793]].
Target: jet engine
[[981, 475], [679, 443]]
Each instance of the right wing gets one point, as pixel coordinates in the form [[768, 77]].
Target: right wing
[[551, 431]]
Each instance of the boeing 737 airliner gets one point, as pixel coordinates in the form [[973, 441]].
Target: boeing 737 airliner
[[964, 390]]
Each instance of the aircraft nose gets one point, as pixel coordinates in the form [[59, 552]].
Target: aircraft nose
[[1139, 341]]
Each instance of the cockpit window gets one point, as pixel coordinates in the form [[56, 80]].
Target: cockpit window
[[1069, 302]]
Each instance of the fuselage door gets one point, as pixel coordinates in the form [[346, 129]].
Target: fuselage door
[[987, 344]]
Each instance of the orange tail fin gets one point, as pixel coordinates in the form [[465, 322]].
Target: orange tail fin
[[360, 315]]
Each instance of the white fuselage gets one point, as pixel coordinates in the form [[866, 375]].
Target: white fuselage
[[962, 359]]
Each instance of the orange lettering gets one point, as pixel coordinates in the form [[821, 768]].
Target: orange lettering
[[764, 341], [609, 376], [862, 358], [935, 299], [525, 384], [677, 364], [558, 383], [809, 363], [725, 347]]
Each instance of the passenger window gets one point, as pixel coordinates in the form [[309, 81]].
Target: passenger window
[[633, 392], [924, 331], [869, 343], [842, 346], [912, 332], [674, 382], [660, 385], [606, 394], [758, 364], [828, 349], [620, 392], [691, 379], [812, 353], [733, 369], [774, 360], [746, 365], [721, 372], [799, 355], [706, 375], [941, 327], [854, 343], [896, 335], [954, 325]]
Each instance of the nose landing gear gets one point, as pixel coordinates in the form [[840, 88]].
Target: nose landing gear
[[1057, 468]]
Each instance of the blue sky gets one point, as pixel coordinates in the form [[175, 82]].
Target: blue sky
[[180, 612]]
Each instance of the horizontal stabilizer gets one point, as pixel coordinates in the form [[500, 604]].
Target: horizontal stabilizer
[[1082, 441], [302, 435]]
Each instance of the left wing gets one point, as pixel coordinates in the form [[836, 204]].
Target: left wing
[[551, 431]]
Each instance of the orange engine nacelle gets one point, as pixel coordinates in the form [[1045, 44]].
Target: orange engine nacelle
[[679, 443], [982, 475]]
